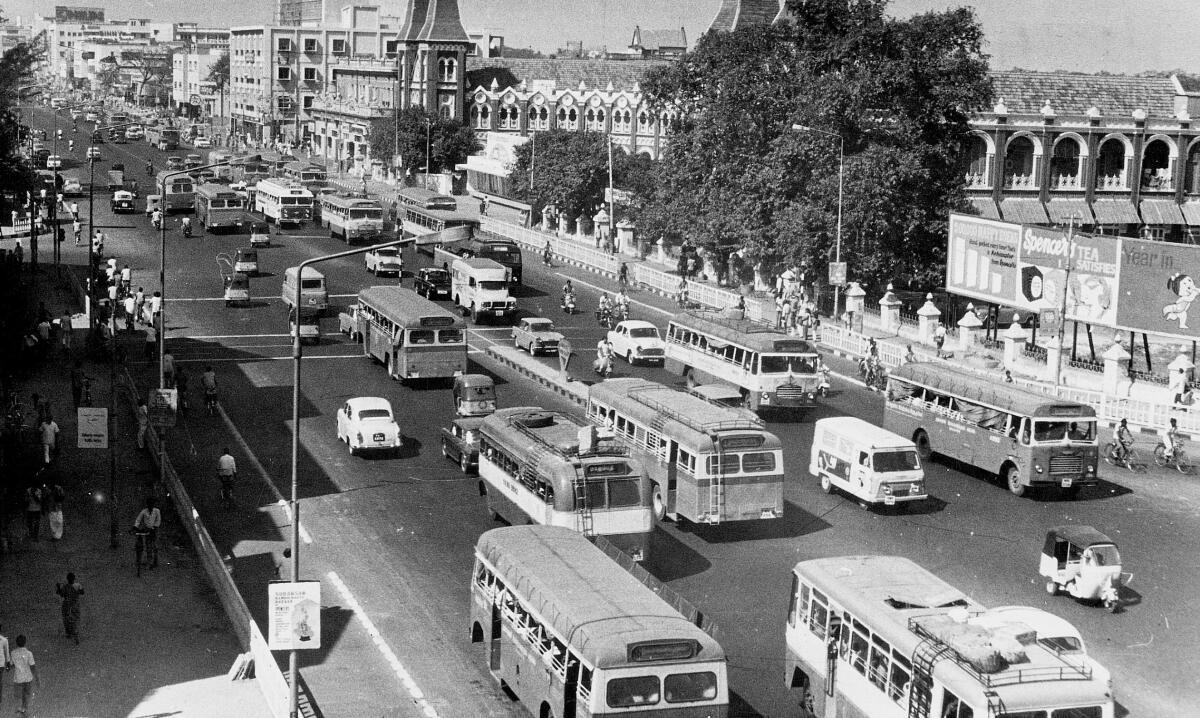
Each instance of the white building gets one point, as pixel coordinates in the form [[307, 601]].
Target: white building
[[192, 94]]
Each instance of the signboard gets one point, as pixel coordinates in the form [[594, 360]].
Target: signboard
[[293, 615], [619, 196], [837, 274], [1090, 291], [981, 260], [162, 404], [92, 423], [565, 352], [1159, 288]]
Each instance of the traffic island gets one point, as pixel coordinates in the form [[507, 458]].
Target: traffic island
[[548, 377]]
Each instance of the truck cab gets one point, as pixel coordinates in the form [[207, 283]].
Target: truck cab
[[479, 288]]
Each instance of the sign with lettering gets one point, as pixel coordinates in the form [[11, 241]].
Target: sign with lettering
[[837, 274], [161, 405], [1160, 283], [92, 425], [1090, 290], [981, 258], [293, 615]]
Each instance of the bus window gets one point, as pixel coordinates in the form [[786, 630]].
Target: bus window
[[595, 495], [420, 336], [632, 691], [1025, 431], [758, 461], [686, 687], [724, 464], [880, 658], [952, 707], [901, 674], [858, 647], [623, 493], [450, 336]]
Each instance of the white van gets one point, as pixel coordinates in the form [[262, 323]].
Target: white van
[[866, 461], [480, 288], [314, 296]]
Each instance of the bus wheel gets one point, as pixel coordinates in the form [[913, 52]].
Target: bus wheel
[[464, 463], [826, 484], [1013, 479], [690, 377], [546, 712], [660, 506], [923, 448]]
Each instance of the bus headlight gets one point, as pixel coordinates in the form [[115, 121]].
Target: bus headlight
[[765, 397], [1037, 468], [1091, 470]]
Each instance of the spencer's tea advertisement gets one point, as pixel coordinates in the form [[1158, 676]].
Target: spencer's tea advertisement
[[1116, 282]]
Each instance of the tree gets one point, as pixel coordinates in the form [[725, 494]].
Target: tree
[[735, 175], [16, 67], [218, 72], [447, 142], [153, 67]]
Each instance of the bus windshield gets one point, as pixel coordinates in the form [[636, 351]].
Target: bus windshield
[[784, 363], [366, 214], [888, 461], [1056, 431], [493, 286]]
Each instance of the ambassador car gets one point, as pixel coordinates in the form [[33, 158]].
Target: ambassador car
[[637, 341], [122, 201], [367, 423], [432, 283], [536, 335], [385, 260]]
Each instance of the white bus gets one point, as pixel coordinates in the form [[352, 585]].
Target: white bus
[[772, 370], [707, 464], [572, 633], [536, 466], [351, 217], [880, 636], [479, 287], [283, 202]]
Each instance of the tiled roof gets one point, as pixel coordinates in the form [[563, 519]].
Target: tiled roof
[[1072, 94], [1189, 83], [566, 74], [443, 23], [656, 39], [734, 14]]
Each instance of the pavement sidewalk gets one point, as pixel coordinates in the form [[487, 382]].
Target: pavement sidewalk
[[158, 644]]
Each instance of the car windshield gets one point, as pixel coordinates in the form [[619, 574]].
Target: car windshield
[[386, 252], [437, 275], [643, 333], [781, 364], [541, 327], [374, 414], [888, 461], [493, 286], [1055, 431]]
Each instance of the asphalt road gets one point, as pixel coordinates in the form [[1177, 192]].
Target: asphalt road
[[397, 533]]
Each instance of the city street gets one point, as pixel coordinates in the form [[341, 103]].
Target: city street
[[392, 538]]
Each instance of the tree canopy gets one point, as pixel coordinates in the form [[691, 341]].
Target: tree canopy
[[16, 66], [218, 72], [447, 142], [895, 93]]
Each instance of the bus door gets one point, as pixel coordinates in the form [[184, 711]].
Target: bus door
[[672, 486], [570, 686], [837, 642], [495, 635]]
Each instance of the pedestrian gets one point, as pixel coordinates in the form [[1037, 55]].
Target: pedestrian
[[77, 229], [71, 593], [75, 211], [54, 497], [156, 308], [148, 520], [140, 304], [939, 338], [126, 277], [5, 662], [226, 474], [143, 420], [25, 675], [130, 307], [909, 354], [65, 332], [151, 340], [20, 253], [1178, 385], [33, 512], [43, 331], [49, 432]]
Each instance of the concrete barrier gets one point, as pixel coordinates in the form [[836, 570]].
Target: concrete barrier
[[531, 368]]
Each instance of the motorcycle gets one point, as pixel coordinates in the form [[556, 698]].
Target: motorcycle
[[603, 366], [149, 169], [187, 228], [156, 222], [873, 373], [568, 303], [823, 385]]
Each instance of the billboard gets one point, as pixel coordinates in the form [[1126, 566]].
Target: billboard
[[75, 14], [1160, 283], [1091, 288], [981, 261]]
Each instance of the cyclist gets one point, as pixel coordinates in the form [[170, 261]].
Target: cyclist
[[156, 218], [1170, 439], [145, 526], [209, 381], [227, 474], [1123, 438]]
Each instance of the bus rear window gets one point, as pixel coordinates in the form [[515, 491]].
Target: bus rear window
[[633, 691], [887, 461], [420, 336], [726, 464], [758, 461], [450, 336], [312, 284], [623, 493], [687, 687]]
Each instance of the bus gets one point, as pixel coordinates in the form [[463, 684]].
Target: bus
[[545, 467], [164, 138], [219, 207], [411, 336], [311, 176], [707, 464], [1025, 438], [425, 199], [880, 636], [351, 217], [226, 171], [118, 118], [276, 161], [283, 202], [179, 192], [572, 633], [772, 369], [497, 249], [433, 227]]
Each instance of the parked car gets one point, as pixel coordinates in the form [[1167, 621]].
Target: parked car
[[536, 335], [202, 142], [432, 283], [367, 422], [386, 260], [53, 162], [174, 163], [637, 341], [460, 443], [93, 153], [122, 201]]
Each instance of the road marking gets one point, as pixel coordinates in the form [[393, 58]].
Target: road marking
[[389, 655], [236, 336], [258, 468], [286, 507], [607, 290], [287, 357]]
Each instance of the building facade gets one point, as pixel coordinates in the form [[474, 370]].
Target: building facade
[[193, 95]]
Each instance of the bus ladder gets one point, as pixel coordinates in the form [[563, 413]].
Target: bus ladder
[[716, 487], [995, 704], [920, 694], [582, 507]]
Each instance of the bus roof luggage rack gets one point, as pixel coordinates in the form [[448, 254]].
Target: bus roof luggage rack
[[641, 394], [568, 447], [719, 316]]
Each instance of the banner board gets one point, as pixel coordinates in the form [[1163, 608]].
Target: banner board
[[981, 261], [1091, 289], [1160, 283], [92, 427], [293, 615]]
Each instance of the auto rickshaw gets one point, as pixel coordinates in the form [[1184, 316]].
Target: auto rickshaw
[[1083, 563], [474, 395], [246, 261], [237, 288], [260, 234]]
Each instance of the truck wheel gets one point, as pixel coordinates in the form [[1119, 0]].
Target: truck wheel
[[1052, 587], [826, 484], [1013, 478], [660, 506], [923, 448]]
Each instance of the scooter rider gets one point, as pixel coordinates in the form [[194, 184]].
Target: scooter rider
[[156, 218], [187, 226], [604, 308], [1170, 438], [622, 302], [546, 253]]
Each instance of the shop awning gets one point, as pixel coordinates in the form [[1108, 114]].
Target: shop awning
[[985, 206], [1191, 212], [1062, 210], [1115, 211], [1025, 210], [1161, 211]]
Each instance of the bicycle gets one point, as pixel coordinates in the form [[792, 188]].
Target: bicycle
[[210, 401], [1178, 458], [1117, 455], [141, 547]]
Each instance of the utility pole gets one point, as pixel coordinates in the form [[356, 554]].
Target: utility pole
[[1062, 316]]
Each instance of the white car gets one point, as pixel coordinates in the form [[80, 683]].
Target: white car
[[93, 153], [72, 187], [92, 116], [386, 260], [367, 422], [637, 341], [53, 162], [202, 142], [134, 132]]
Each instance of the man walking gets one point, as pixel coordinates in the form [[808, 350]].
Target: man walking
[[227, 474], [5, 662], [71, 593], [49, 431], [148, 520], [24, 675], [143, 420], [33, 512]]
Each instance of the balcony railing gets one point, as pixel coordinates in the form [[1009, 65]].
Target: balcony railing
[[976, 180], [1020, 181], [1112, 182], [1066, 182], [1158, 184]]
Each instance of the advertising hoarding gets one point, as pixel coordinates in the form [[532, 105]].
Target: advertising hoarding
[[1160, 283], [981, 260], [1091, 289]]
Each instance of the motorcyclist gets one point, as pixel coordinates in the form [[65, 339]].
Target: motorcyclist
[[604, 354], [546, 253], [604, 307], [187, 226], [59, 134], [156, 218], [71, 145], [622, 304], [149, 167], [1123, 438]]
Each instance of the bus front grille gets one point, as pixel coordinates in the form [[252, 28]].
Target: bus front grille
[[790, 391], [1066, 464]]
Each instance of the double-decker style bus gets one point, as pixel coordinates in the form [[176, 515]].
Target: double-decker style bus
[[164, 138], [707, 464], [772, 369], [224, 172], [411, 336], [1025, 438], [178, 192], [547, 468], [572, 633], [880, 636], [218, 207], [498, 249], [283, 201], [351, 217], [311, 176]]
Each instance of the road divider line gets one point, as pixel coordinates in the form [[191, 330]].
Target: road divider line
[[237, 336], [406, 679], [607, 290], [258, 468], [249, 359]]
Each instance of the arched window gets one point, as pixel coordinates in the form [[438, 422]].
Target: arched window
[[510, 118], [1065, 165], [1020, 164], [594, 120], [447, 69], [446, 107], [481, 117], [621, 119], [539, 118], [1110, 165], [645, 123], [1157, 166], [568, 118]]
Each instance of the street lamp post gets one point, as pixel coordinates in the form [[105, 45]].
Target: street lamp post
[[297, 355], [1062, 316], [841, 176]]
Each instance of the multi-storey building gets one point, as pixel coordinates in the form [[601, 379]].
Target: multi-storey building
[[195, 37], [71, 26], [192, 94], [13, 34]]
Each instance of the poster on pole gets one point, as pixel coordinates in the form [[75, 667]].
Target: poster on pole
[[294, 615], [92, 423], [1089, 293], [981, 258], [161, 406], [837, 274]]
